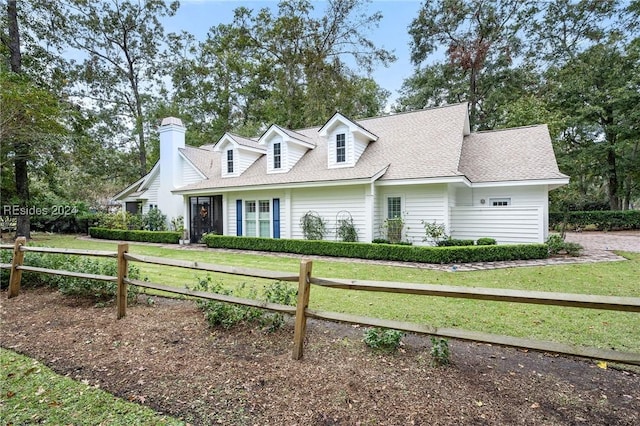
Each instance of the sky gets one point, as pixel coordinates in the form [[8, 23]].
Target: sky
[[197, 16]]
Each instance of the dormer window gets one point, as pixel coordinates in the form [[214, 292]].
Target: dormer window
[[341, 148], [230, 161], [277, 155]]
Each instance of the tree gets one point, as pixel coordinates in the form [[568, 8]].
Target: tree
[[482, 41], [599, 91], [287, 68], [121, 68]]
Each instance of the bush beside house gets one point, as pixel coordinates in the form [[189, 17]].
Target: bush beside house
[[394, 252], [600, 220]]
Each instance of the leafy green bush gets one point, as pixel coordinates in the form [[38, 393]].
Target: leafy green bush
[[347, 231], [217, 313], [440, 354], [313, 226], [393, 252], [164, 237], [282, 293], [601, 220], [486, 241], [229, 315], [155, 220], [434, 232], [557, 245], [71, 286], [382, 339]]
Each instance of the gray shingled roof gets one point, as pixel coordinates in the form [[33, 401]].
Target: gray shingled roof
[[523, 153], [428, 143]]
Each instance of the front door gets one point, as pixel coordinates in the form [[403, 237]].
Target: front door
[[205, 214]]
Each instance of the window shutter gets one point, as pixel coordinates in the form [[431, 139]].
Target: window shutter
[[238, 217], [276, 218]]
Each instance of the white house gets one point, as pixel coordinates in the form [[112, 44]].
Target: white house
[[421, 166]]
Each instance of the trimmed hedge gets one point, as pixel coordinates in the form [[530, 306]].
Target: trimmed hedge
[[602, 220], [166, 237], [452, 242], [392, 252]]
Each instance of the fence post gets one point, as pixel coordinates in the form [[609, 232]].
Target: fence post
[[304, 288], [16, 261], [121, 296]]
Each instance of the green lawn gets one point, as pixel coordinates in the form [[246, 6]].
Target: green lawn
[[33, 394], [596, 328]]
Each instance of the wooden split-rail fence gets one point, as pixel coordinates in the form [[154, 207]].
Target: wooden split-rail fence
[[302, 312]]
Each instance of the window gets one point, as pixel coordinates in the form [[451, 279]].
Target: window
[[499, 202], [250, 218], [264, 220], [341, 148], [394, 207], [277, 155], [230, 161], [257, 219]]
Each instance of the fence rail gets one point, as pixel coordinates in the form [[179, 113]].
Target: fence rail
[[302, 311]]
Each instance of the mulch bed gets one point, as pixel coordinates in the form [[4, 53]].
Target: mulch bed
[[164, 355]]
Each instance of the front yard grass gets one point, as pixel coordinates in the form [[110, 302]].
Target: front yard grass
[[598, 328], [33, 394]]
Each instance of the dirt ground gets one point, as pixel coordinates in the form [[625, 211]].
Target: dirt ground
[[163, 355]]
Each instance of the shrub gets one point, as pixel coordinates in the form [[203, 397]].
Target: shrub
[[440, 354], [451, 242], [601, 220], [282, 293], [229, 315], [313, 226], [222, 314], [164, 237], [155, 220], [347, 231], [486, 241], [557, 245], [393, 252], [82, 287], [382, 339], [434, 232]]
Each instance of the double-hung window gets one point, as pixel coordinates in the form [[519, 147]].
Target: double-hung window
[[394, 207], [277, 155], [341, 148], [230, 161], [257, 218]]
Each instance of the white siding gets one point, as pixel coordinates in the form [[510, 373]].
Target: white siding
[[189, 174], [419, 202], [520, 195], [359, 145], [294, 153], [246, 159], [505, 224], [151, 195], [328, 202]]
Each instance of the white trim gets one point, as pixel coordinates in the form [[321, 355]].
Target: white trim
[[558, 181], [317, 184], [424, 181]]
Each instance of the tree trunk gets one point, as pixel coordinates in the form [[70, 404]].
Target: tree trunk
[[21, 149], [614, 201]]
